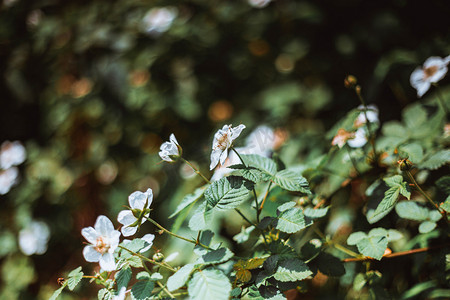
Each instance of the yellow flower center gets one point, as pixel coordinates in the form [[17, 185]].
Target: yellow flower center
[[222, 142], [430, 71], [101, 246]]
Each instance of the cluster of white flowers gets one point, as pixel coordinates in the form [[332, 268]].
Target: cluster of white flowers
[[104, 239], [358, 138], [12, 154], [34, 237], [158, 20], [433, 70]]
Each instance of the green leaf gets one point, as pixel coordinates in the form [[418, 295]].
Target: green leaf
[[57, 292], [291, 220], [104, 294], [142, 290], [436, 160], [414, 116], [266, 165], [427, 226], [414, 152], [227, 193], [292, 270], [394, 235], [216, 256], [74, 278], [209, 284], [123, 277], [315, 213], [291, 181], [143, 276], [244, 235], [397, 186], [189, 199], [411, 210], [359, 282], [180, 278], [443, 184], [373, 246], [355, 237], [201, 219], [446, 205]]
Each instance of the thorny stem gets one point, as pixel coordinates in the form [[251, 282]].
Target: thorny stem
[[265, 196], [369, 126], [176, 235], [196, 170], [396, 254], [254, 192], [336, 245], [148, 259], [411, 177]]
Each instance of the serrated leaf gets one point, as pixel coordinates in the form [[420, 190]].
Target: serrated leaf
[[142, 290], [180, 278], [373, 246], [283, 250], [436, 160], [123, 277], [227, 193], [74, 278], [291, 181], [446, 205], [315, 213], [271, 263], [216, 256], [201, 219], [266, 165], [355, 237], [359, 282], [414, 152], [427, 226], [292, 220], [411, 210], [188, 200], [292, 270], [209, 284], [397, 187]]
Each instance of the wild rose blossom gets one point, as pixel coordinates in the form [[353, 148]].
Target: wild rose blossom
[[103, 239], [223, 140], [372, 115], [433, 70], [140, 210], [34, 237], [170, 151]]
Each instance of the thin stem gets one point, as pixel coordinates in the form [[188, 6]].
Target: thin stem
[[254, 192], [441, 99], [396, 254], [165, 289], [196, 170], [265, 196], [336, 245], [176, 235], [369, 126], [148, 259], [411, 177], [244, 217]]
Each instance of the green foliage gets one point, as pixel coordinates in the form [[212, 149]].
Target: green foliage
[[291, 181], [180, 278], [209, 284], [227, 193], [74, 278], [142, 289], [374, 243]]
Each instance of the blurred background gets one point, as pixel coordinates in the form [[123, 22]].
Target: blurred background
[[92, 89]]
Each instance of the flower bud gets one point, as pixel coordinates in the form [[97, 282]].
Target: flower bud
[[350, 81], [158, 256], [405, 164]]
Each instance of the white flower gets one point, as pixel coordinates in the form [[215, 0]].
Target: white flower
[[359, 139], [8, 178], [121, 294], [341, 138], [372, 115], [433, 70], [223, 139], [159, 20], [33, 238], [12, 154], [170, 151], [103, 239], [258, 3], [140, 209]]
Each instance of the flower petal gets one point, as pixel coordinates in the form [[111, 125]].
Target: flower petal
[[90, 234], [149, 239], [127, 231], [114, 240], [173, 139], [215, 156], [90, 254], [359, 140], [107, 262], [103, 226], [137, 200], [126, 217], [235, 132], [223, 156]]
